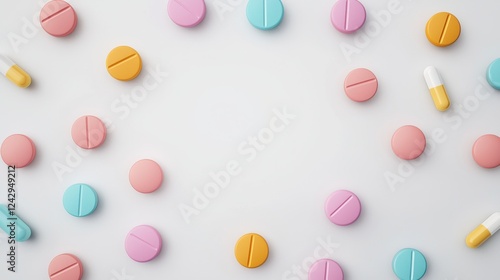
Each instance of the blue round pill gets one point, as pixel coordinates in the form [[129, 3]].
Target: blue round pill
[[265, 14], [409, 264], [80, 200], [493, 74]]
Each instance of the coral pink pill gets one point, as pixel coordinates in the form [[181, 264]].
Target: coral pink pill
[[326, 269], [347, 16], [88, 132], [143, 243], [145, 176], [58, 18], [360, 85], [65, 267], [408, 142], [186, 13], [18, 150], [342, 207], [486, 151]]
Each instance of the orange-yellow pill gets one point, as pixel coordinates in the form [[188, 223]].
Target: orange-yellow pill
[[251, 250], [124, 63], [443, 29]]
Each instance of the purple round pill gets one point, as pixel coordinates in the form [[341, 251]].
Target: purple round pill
[[326, 269], [348, 15], [143, 243], [342, 207]]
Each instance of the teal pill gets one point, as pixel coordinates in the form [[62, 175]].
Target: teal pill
[[493, 74], [80, 200], [265, 14], [409, 264], [20, 230]]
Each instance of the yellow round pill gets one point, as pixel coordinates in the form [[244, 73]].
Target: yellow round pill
[[443, 29], [251, 250], [124, 63]]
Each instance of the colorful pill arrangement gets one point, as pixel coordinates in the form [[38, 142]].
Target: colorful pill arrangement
[[144, 243]]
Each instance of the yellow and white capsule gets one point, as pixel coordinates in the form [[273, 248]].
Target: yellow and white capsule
[[483, 231], [436, 87], [14, 73]]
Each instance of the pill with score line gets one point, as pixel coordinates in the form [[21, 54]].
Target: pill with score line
[[251, 250], [486, 151], [342, 207], [143, 243], [347, 16], [58, 18], [443, 29], [484, 231], [325, 269], [409, 264], [360, 85], [124, 63], [18, 150], [436, 88], [14, 73], [186, 13], [80, 200], [88, 132], [20, 230], [265, 14], [65, 267]]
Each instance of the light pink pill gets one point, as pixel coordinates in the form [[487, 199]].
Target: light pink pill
[[18, 150], [88, 132], [486, 151], [342, 207], [143, 243], [58, 18], [360, 85], [326, 269], [65, 267], [186, 13], [347, 16], [408, 142], [145, 176]]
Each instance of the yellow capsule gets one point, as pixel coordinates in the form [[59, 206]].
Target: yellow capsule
[[480, 234], [14, 73], [436, 88]]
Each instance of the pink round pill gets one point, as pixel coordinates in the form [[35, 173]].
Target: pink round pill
[[347, 16], [360, 85], [486, 151], [143, 243], [145, 176], [408, 142], [342, 207], [88, 132], [18, 150], [326, 269], [186, 13], [65, 267], [58, 18]]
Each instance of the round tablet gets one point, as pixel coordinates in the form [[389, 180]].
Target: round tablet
[[409, 264], [486, 151], [80, 200], [88, 132], [251, 250], [265, 14], [18, 150], [326, 269], [65, 267], [493, 74], [186, 13], [360, 85], [145, 176], [143, 243], [347, 16], [442, 29], [124, 63], [408, 142], [342, 207], [58, 18]]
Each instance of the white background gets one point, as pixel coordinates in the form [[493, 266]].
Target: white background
[[225, 78]]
